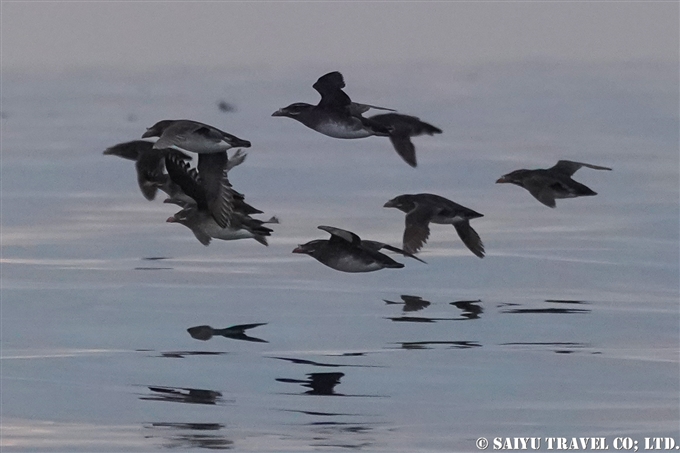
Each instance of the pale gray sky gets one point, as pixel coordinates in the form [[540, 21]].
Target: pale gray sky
[[137, 35]]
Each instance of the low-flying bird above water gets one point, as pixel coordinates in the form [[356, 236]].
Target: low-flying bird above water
[[546, 185], [211, 145], [150, 167], [347, 252], [425, 208], [402, 128], [192, 136], [199, 216], [205, 228], [337, 116]]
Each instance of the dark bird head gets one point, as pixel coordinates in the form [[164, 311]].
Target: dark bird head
[[183, 217], [402, 202], [293, 110], [157, 129], [516, 177], [311, 248]]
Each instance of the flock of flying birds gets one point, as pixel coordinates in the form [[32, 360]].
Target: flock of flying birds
[[213, 209]]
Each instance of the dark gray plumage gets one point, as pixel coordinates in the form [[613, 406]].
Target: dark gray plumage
[[424, 208], [347, 252], [150, 166], [200, 216], [402, 128], [192, 136], [546, 185], [335, 115]]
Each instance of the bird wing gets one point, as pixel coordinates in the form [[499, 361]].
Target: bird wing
[[188, 179], [341, 234], [150, 176], [357, 109], [417, 229], [205, 132], [212, 169], [242, 327], [540, 189], [329, 83], [375, 246], [238, 332], [470, 237], [568, 167], [330, 88], [404, 146]]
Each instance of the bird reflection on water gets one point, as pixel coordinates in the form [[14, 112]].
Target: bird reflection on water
[[410, 303], [183, 395], [431, 344], [318, 383], [547, 310], [189, 435], [469, 307], [205, 333]]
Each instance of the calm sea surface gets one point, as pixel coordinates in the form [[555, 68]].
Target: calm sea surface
[[567, 328]]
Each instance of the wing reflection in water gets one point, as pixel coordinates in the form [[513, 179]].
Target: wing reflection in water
[[319, 383], [205, 333], [410, 303], [190, 435], [183, 395], [547, 310], [559, 347], [469, 307], [431, 344], [183, 354], [322, 364]]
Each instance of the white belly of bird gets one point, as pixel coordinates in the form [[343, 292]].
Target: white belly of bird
[[227, 234], [343, 130], [352, 264]]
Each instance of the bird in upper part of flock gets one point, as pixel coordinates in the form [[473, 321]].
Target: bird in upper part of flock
[[347, 252], [555, 182], [337, 116], [205, 333], [150, 167], [402, 128], [211, 145], [425, 208], [192, 136], [200, 218]]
